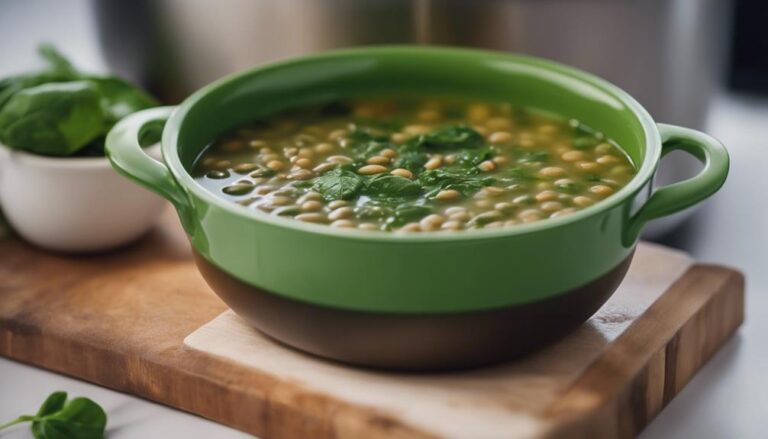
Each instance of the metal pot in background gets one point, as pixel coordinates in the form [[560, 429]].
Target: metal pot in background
[[669, 54]]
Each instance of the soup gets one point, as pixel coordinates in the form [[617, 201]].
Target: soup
[[414, 165]]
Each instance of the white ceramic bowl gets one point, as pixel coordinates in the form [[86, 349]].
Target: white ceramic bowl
[[73, 204]]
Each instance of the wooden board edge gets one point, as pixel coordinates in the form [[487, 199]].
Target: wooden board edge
[[639, 383], [273, 409]]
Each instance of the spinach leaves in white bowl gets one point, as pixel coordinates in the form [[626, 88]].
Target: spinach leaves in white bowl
[[61, 111]]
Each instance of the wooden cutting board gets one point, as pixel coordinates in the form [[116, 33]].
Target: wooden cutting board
[[122, 320]]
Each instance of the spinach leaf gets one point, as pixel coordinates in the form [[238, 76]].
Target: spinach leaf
[[569, 187], [79, 418], [53, 112], [450, 137], [473, 157], [53, 119], [522, 116], [120, 98], [405, 213], [57, 63], [338, 184], [584, 137], [385, 185], [58, 418], [14, 84], [411, 160], [466, 181], [396, 210], [584, 142], [365, 150], [375, 129], [58, 70], [52, 404], [516, 175], [520, 174], [441, 176], [368, 133], [533, 157]]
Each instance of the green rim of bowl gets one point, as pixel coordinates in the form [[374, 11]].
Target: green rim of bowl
[[645, 171]]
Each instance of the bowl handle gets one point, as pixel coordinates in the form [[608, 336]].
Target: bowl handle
[[678, 196], [124, 151]]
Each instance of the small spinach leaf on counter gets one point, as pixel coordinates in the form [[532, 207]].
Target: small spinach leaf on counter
[[450, 137], [79, 418], [338, 184], [53, 119], [59, 418], [52, 404], [385, 185]]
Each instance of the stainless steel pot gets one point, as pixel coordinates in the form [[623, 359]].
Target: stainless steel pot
[[666, 53]]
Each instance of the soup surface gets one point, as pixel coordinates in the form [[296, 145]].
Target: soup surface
[[414, 165]]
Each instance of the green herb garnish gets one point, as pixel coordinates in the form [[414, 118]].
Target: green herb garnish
[[412, 160], [473, 157], [450, 137], [569, 188], [533, 157], [584, 137], [368, 132], [338, 184], [467, 181], [385, 185], [405, 213], [59, 418]]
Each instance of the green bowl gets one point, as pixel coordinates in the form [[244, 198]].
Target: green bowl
[[413, 301]]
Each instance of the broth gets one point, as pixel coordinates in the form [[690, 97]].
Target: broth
[[414, 165]]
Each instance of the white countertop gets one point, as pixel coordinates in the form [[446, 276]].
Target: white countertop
[[727, 399]]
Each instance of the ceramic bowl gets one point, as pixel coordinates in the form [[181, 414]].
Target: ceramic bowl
[[414, 301], [73, 204]]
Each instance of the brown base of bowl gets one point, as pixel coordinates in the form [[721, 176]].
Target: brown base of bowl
[[428, 342]]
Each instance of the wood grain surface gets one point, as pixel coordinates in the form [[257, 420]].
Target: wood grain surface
[[120, 320]]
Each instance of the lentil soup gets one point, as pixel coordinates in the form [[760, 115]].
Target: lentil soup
[[414, 165]]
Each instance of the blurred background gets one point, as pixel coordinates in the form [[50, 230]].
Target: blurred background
[[697, 63]]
